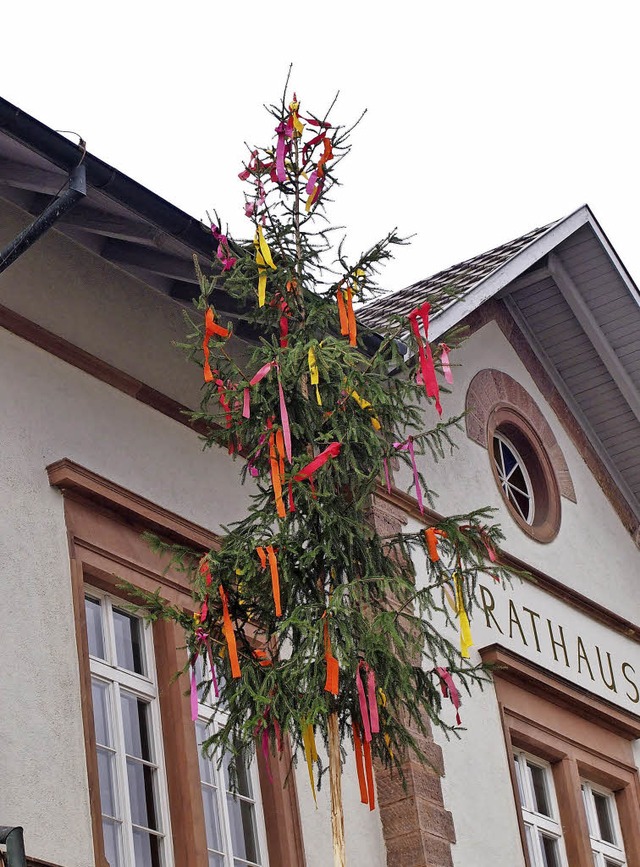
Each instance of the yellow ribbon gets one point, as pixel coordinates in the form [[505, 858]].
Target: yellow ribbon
[[263, 258], [364, 404], [311, 755], [315, 374], [298, 126], [466, 641]]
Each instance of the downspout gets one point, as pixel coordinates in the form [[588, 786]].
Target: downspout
[[76, 190], [14, 841]]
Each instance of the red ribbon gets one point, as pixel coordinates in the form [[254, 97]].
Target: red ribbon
[[370, 720], [424, 352], [331, 451], [224, 252], [333, 667]]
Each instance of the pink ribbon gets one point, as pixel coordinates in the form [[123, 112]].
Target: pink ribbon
[[363, 706], [449, 689], [370, 719], [194, 693], [284, 418], [260, 375], [246, 404], [313, 177], [386, 474], [252, 469], [408, 447], [446, 367]]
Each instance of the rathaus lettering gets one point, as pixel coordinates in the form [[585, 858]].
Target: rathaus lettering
[[590, 661]]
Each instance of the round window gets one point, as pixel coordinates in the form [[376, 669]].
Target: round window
[[524, 474]]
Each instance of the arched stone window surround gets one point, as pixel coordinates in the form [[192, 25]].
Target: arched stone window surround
[[494, 399]]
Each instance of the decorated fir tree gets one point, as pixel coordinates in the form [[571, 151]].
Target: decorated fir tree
[[310, 623]]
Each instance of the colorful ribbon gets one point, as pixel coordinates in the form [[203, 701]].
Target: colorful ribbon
[[449, 690], [310, 754], [275, 579], [224, 252], [364, 404], [331, 451], [314, 373], [227, 631], [203, 638], [194, 690], [333, 666], [408, 447], [424, 352], [446, 366], [466, 641], [211, 328], [370, 719], [431, 535], [284, 419], [263, 259]]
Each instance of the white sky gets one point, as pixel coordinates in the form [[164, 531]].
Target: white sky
[[485, 119]]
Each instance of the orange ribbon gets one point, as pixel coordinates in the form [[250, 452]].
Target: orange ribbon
[[342, 312], [351, 317], [333, 666], [369, 772], [263, 557], [276, 480], [431, 535], [362, 782], [229, 634], [210, 329], [275, 579]]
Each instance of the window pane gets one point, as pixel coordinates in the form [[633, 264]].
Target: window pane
[[141, 794], [540, 793], [243, 829], [242, 777], [106, 775], [136, 726], [207, 766], [550, 853], [112, 836], [128, 632], [94, 627], [147, 849], [528, 832], [605, 823], [211, 818], [216, 860], [100, 696]]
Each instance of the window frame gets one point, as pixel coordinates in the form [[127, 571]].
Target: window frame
[[144, 686], [104, 524], [541, 824], [605, 853], [581, 736]]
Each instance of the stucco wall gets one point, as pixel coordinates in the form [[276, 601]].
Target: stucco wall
[[592, 552]]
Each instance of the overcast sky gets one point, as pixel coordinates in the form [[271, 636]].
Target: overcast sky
[[484, 119]]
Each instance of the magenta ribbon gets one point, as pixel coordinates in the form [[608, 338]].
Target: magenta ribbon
[[313, 177], [281, 174], [223, 252], [246, 404], [408, 447], [386, 474], [255, 379], [449, 689], [252, 469], [194, 693], [446, 366], [373, 701]]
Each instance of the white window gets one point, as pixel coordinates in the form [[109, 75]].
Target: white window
[[234, 822], [133, 795], [513, 477], [539, 812], [604, 828]]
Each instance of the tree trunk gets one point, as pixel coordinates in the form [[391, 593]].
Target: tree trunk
[[335, 783]]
